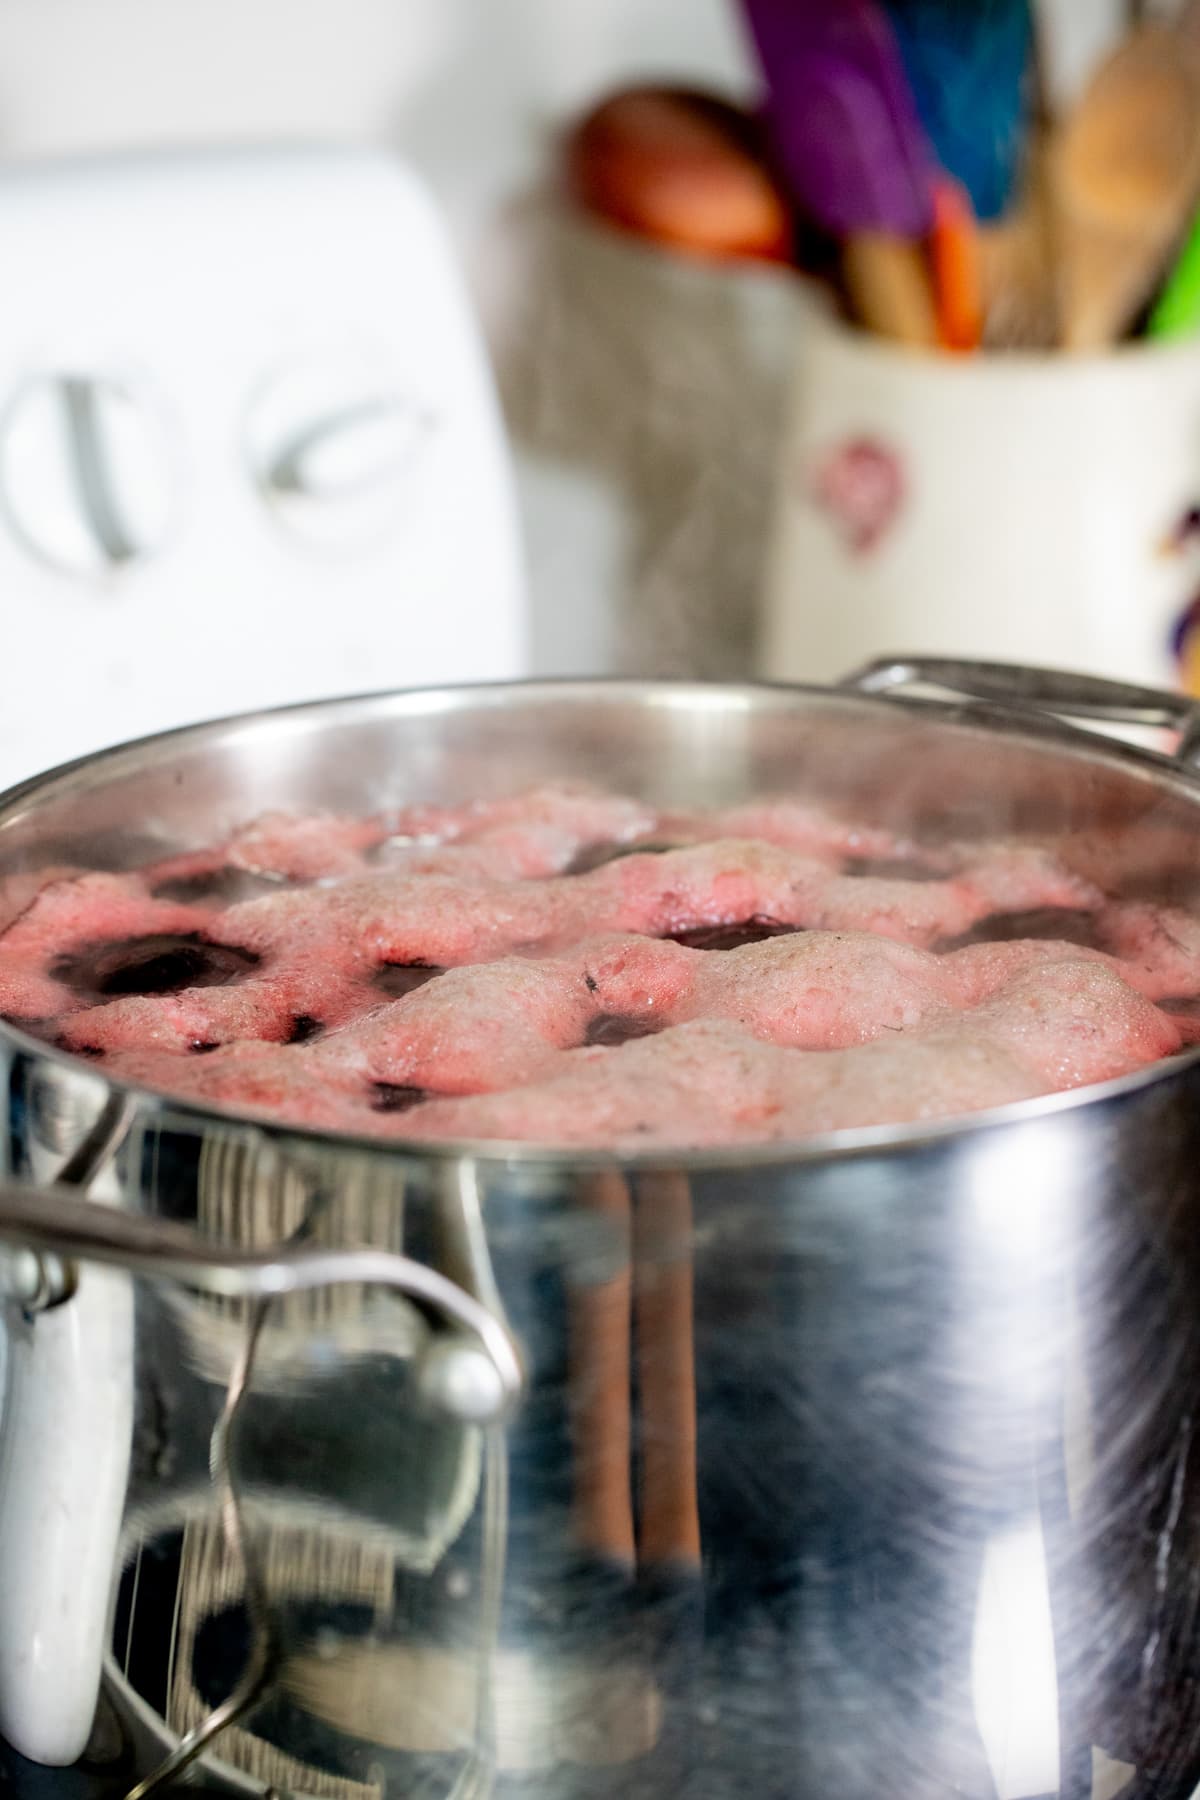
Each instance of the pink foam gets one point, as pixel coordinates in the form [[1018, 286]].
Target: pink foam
[[540, 995]]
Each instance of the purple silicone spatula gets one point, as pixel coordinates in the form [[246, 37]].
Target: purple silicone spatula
[[842, 116]]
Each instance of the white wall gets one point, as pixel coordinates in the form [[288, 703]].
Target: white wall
[[438, 75], [467, 87]]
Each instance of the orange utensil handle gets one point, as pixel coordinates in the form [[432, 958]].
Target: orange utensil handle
[[957, 268]]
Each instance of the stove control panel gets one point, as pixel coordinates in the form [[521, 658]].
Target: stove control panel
[[249, 449], [86, 475], [336, 451]]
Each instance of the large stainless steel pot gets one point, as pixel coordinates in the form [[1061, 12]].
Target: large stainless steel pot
[[862, 1467]]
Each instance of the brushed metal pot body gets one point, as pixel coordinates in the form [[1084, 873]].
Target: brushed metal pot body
[[861, 1467]]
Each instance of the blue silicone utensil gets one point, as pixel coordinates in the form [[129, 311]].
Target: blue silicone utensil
[[969, 66]]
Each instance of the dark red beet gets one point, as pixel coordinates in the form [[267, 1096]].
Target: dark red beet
[[162, 964], [611, 1029], [731, 937], [397, 979], [388, 1097], [1058, 924], [595, 856]]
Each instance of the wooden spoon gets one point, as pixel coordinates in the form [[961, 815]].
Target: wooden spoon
[[887, 285], [1016, 253], [1126, 176]]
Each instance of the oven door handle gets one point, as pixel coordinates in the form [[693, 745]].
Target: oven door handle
[[1055, 693]]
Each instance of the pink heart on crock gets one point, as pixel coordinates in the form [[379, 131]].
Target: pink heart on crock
[[861, 486]]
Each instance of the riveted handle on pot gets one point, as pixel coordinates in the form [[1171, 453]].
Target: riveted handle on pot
[[1054, 692], [478, 1386], [469, 1371]]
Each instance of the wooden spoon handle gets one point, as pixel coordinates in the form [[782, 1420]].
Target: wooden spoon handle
[[889, 288]]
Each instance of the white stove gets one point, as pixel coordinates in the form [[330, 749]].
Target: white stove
[[249, 450]]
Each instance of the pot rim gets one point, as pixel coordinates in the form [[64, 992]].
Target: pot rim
[[1033, 727]]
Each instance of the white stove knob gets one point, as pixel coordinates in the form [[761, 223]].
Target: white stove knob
[[86, 473], [336, 449]]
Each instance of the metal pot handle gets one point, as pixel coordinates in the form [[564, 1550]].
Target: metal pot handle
[[472, 1373], [1053, 691], [55, 1229]]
